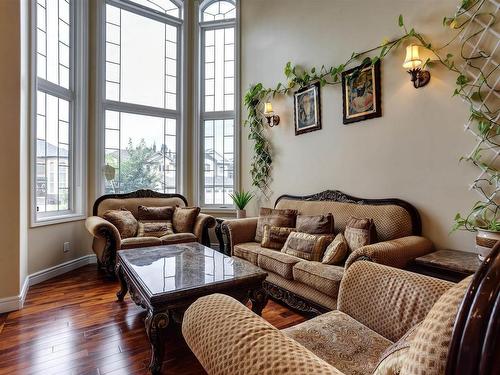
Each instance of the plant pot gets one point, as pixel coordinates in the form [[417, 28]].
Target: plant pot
[[485, 240], [241, 214]]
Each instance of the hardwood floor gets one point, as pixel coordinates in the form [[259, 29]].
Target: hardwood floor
[[73, 324]]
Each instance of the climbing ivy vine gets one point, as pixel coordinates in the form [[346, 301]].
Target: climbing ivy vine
[[474, 91]]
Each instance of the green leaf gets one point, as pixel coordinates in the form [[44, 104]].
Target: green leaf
[[400, 21]]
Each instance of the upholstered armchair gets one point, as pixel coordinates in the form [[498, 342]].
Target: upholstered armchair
[[106, 237], [388, 321]]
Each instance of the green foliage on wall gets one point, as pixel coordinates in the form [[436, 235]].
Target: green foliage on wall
[[473, 91]]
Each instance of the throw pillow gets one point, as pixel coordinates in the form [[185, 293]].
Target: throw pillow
[[337, 251], [318, 224], [359, 232], [392, 359], [155, 221], [155, 213], [275, 237], [277, 218], [123, 220], [184, 219], [307, 246]]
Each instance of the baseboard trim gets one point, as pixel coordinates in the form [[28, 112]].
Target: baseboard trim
[[17, 302]]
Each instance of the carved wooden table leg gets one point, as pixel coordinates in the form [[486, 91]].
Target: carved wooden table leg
[[156, 325], [123, 282], [259, 300]]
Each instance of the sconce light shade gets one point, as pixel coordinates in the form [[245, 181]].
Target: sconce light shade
[[412, 62], [412, 57], [272, 119]]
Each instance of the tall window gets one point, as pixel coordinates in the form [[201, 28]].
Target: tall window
[[141, 95], [58, 109], [218, 101]]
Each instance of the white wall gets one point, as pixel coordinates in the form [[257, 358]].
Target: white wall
[[411, 152]]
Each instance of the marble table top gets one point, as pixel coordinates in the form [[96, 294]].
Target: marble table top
[[183, 267], [459, 261]]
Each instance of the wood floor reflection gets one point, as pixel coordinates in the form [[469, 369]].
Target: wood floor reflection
[[73, 324]]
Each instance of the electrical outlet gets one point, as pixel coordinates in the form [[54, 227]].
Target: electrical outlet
[[66, 247]]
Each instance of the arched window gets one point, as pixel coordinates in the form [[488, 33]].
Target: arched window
[[170, 7], [219, 102]]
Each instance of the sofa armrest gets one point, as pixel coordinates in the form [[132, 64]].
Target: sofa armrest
[[101, 228], [388, 300], [201, 225], [395, 253], [237, 231], [226, 337]]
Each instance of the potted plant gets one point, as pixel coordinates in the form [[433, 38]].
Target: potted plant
[[483, 220], [241, 199]]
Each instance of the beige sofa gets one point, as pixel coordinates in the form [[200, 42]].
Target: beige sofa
[[312, 286], [107, 240], [377, 306]]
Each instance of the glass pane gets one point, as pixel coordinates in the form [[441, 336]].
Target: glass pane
[[219, 10], [218, 161], [219, 70], [140, 153], [53, 167], [53, 41], [163, 6], [141, 59]]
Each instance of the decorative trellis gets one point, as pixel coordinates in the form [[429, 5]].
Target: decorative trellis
[[480, 41]]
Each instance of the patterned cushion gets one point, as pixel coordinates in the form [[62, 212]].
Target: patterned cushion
[[392, 359], [277, 262], [322, 277], [341, 341], [306, 246], [134, 242], [391, 221], [184, 219], [359, 233], [155, 213], [228, 339], [174, 238], [429, 349], [277, 218], [337, 251], [388, 300], [154, 228], [275, 237], [123, 220], [248, 251], [317, 224]]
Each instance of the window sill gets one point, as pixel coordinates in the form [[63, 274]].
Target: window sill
[[60, 219], [219, 211]]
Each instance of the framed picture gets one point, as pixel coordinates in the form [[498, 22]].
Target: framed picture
[[307, 109], [361, 95]]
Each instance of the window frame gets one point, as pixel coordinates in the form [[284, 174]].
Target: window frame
[[76, 95], [102, 104], [201, 115]]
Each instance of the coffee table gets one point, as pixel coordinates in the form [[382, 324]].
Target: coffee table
[[166, 280]]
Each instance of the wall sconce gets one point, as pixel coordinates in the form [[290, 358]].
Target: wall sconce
[[412, 62], [272, 119]]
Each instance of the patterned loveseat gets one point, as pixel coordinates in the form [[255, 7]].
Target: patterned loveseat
[[107, 240], [388, 321], [312, 286]]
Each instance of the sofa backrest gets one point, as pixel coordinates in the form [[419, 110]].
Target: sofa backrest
[[131, 201], [394, 218]]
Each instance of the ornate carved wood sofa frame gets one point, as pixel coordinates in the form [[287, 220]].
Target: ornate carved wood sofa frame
[[398, 226], [107, 240]]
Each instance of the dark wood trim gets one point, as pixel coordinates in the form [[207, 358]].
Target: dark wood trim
[[293, 300], [298, 92], [144, 193], [475, 346], [338, 196]]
